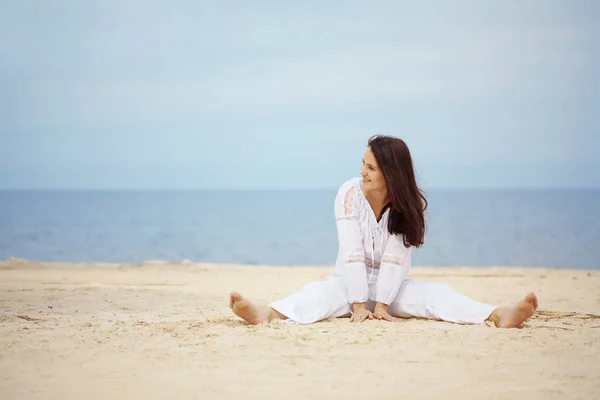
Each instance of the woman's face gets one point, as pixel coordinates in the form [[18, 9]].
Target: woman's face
[[370, 172]]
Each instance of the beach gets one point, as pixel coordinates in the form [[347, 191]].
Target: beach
[[161, 330]]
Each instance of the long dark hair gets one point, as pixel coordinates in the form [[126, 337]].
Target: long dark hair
[[407, 201]]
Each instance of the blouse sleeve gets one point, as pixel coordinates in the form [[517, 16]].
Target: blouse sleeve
[[394, 267], [351, 249]]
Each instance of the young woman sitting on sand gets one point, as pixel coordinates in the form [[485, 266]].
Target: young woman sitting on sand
[[379, 220]]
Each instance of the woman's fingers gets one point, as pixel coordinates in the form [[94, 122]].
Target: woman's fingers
[[390, 318], [386, 317], [361, 317]]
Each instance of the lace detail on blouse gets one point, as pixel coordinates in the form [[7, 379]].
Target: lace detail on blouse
[[394, 259], [355, 258], [350, 211], [369, 264], [361, 259], [350, 217]]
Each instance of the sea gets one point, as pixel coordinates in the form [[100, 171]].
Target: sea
[[478, 228]]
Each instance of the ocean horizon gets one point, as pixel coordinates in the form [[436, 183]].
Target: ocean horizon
[[553, 228]]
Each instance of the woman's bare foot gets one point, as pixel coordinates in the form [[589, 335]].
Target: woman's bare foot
[[248, 311], [513, 316]]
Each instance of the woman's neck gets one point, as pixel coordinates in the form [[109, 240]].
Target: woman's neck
[[377, 199]]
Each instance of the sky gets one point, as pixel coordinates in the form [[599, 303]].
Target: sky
[[284, 95]]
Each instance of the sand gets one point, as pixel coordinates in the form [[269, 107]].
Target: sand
[[164, 330]]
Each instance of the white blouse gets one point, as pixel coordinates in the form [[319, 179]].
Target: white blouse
[[368, 254]]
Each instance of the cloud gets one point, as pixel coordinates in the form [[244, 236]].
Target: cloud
[[106, 83]]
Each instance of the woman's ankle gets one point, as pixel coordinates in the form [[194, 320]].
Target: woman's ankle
[[494, 318], [274, 314]]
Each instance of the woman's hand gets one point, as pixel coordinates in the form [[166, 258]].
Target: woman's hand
[[381, 312], [360, 313]]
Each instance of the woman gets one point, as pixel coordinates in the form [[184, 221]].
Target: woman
[[379, 220]]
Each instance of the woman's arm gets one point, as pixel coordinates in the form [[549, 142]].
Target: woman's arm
[[394, 267], [351, 248]]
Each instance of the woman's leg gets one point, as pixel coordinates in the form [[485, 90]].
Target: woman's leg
[[316, 301], [440, 301]]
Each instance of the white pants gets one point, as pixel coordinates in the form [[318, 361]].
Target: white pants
[[317, 301]]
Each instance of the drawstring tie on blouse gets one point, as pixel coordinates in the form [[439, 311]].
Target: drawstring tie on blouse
[[375, 234]]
